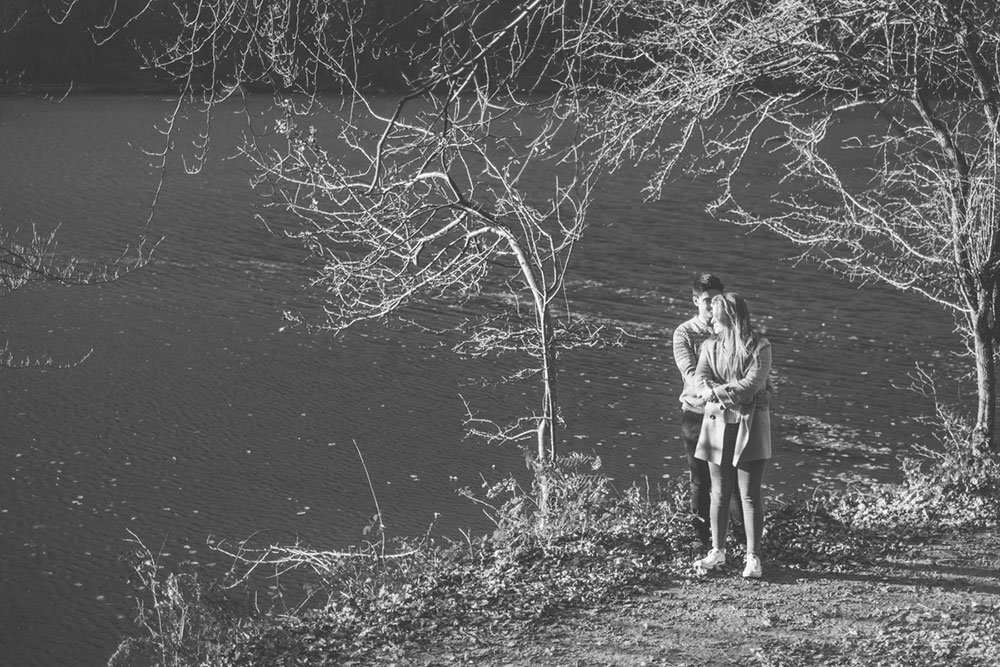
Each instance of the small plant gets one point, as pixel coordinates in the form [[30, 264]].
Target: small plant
[[186, 621], [576, 492], [582, 507]]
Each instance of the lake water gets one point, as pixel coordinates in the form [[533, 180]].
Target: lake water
[[198, 417]]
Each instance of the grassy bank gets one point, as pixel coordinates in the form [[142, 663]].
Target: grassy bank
[[595, 558]]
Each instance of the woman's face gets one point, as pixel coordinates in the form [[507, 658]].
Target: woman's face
[[719, 319]]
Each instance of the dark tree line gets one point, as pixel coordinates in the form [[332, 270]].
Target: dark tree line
[[42, 42], [109, 43]]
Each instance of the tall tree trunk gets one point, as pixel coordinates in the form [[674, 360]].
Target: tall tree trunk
[[550, 372], [546, 421], [983, 437]]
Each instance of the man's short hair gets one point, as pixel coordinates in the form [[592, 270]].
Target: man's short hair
[[706, 282]]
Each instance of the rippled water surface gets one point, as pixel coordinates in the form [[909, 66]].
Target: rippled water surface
[[198, 417]]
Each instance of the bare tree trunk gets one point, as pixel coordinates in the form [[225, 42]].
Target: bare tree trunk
[[550, 372], [983, 438], [546, 421]]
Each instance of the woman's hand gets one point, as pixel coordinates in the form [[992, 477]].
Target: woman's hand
[[708, 395]]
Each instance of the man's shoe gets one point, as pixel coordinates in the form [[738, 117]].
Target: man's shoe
[[753, 569], [714, 560]]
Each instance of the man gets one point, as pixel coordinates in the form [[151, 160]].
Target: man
[[688, 338]]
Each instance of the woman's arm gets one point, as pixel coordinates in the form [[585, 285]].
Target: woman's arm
[[752, 383], [705, 378]]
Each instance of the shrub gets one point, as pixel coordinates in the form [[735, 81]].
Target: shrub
[[184, 620], [950, 487]]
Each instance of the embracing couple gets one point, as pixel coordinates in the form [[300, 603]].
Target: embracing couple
[[726, 421]]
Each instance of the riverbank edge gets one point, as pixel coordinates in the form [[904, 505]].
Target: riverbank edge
[[895, 574]]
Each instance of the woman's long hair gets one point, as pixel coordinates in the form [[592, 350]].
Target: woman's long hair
[[737, 342]]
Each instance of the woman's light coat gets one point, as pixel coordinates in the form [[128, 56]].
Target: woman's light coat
[[745, 401]]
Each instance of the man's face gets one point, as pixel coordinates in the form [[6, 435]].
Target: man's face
[[704, 303]]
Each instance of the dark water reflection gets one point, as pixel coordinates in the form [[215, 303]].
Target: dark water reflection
[[197, 417]]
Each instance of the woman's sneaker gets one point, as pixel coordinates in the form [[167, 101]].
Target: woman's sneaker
[[753, 569], [714, 560]]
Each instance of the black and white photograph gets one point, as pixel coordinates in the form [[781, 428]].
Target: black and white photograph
[[574, 333]]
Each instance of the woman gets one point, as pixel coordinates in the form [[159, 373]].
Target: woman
[[732, 375]]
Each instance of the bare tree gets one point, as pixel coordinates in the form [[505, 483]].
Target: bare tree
[[467, 178], [909, 200]]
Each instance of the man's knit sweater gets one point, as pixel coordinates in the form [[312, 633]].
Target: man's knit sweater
[[688, 338]]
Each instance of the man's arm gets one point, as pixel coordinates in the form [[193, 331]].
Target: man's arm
[[685, 356]]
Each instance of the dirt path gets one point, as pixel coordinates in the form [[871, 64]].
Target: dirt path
[[940, 604]]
